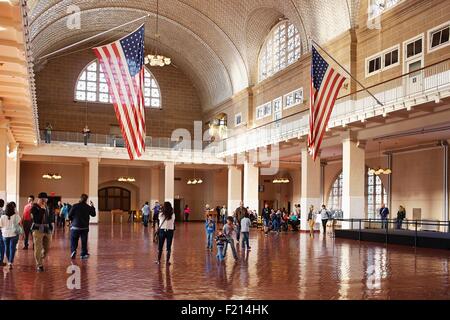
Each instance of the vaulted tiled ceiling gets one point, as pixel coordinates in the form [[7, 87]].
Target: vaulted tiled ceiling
[[215, 42]]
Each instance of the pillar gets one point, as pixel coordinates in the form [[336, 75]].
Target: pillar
[[154, 186], [169, 183], [310, 187], [251, 186], [354, 173], [12, 175], [3, 157], [234, 188], [296, 188], [93, 185]]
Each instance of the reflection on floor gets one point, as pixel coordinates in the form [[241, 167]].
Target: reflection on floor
[[285, 266]]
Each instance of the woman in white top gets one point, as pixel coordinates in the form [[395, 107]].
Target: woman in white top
[[9, 223], [166, 228]]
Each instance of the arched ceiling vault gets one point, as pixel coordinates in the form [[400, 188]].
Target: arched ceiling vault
[[216, 43]]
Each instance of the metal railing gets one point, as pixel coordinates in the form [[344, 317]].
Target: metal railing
[[411, 225], [349, 108]]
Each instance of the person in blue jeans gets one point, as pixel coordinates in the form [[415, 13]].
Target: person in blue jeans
[[80, 215], [384, 213], [221, 240], [210, 226], [9, 223], [245, 229], [2, 245]]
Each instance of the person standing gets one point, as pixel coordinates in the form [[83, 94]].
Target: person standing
[[311, 221], [166, 229], [221, 240], [210, 226], [245, 229], [2, 245], [224, 214], [80, 215], [238, 215], [384, 213], [401, 215], [11, 228], [86, 135], [48, 133], [42, 229], [324, 215], [156, 210], [27, 221], [266, 218], [145, 214], [187, 212], [228, 230]]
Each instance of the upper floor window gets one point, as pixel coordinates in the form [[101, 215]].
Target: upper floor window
[[377, 7], [439, 37], [91, 86], [281, 48], [382, 61]]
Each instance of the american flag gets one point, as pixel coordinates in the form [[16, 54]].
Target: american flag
[[122, 62], [324, 88]]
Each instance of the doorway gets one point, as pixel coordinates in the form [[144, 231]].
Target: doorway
[[178, 209]]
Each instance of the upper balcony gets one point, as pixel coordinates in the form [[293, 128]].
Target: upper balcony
[[401, 94]]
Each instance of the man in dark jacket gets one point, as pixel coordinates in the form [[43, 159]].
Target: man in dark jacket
[[41, 228], [79, 215], [266, 218], [239, 213]]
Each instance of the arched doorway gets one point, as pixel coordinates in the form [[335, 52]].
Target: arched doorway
[[111, 198]]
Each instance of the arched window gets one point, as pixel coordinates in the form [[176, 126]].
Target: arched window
[[375, 192], [91, 86], [112, 198], [281, 48]]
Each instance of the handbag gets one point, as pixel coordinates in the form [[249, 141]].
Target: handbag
[[156, 234], [18, 229]]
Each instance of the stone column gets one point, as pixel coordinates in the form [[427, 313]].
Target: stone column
[[13, 175], [296, 189], [234, 188], [169, 183], [353, 173], [251, 186], [310, 187], [93, 185], [3, 157], [154, 186]]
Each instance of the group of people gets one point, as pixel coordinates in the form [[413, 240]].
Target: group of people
[[384, 214], [48, 133], [38, 220]]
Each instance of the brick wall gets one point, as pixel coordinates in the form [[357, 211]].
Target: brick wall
[[55, 94]]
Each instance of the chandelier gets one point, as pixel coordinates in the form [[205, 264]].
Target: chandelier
[[52, 176], [126, 179], [377, 171], [157, 59], [194, 180], [280, 180]]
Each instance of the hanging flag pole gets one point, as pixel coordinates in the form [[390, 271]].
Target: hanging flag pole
[[345, 70], [92, 37]]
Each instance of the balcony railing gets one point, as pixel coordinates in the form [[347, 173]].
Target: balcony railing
[[394, 94]]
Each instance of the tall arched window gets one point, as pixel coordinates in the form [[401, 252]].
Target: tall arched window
[[91, 86], [281, 48], [375, 194]]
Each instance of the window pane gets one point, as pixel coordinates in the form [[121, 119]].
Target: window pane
[[445, 35], [81, 85], [104, 97], [394, 56], [83, 75], [155, 102], [103, 87], [92, 67], [92, 86], [81, 95], [91, 96]]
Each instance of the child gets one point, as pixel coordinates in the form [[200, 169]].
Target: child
[[221, 239], [210, 229], [245, 229], [228, 231]]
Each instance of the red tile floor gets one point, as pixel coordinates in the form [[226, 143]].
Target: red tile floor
[[285, 266]]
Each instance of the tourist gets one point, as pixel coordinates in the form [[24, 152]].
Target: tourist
[[384, 213], [285, 222], [224, 214], [324, 216], [297, 211], [210, 225], [145, 214], [86, 134], [294, 221], [187, 212], [11, 229], [42, 229], [80, 215], [276, 221], [228, 230], [245, 230], [311, 220], [2, 245], [48, 133], [156, 210], [266, 218], [238, 215], [166, 229], [64, 214], [221, 240], [58, 209], [27, 221], [401, 215]]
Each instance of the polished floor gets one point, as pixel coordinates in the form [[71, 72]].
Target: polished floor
[[285, 266]]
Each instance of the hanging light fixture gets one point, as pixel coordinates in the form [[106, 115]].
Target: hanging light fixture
[[157, 59], [52, 176], [194, 180], [280, 180], [377, 171]]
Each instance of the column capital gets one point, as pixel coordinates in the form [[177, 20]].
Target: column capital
[[93, 160], [349, 135]]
